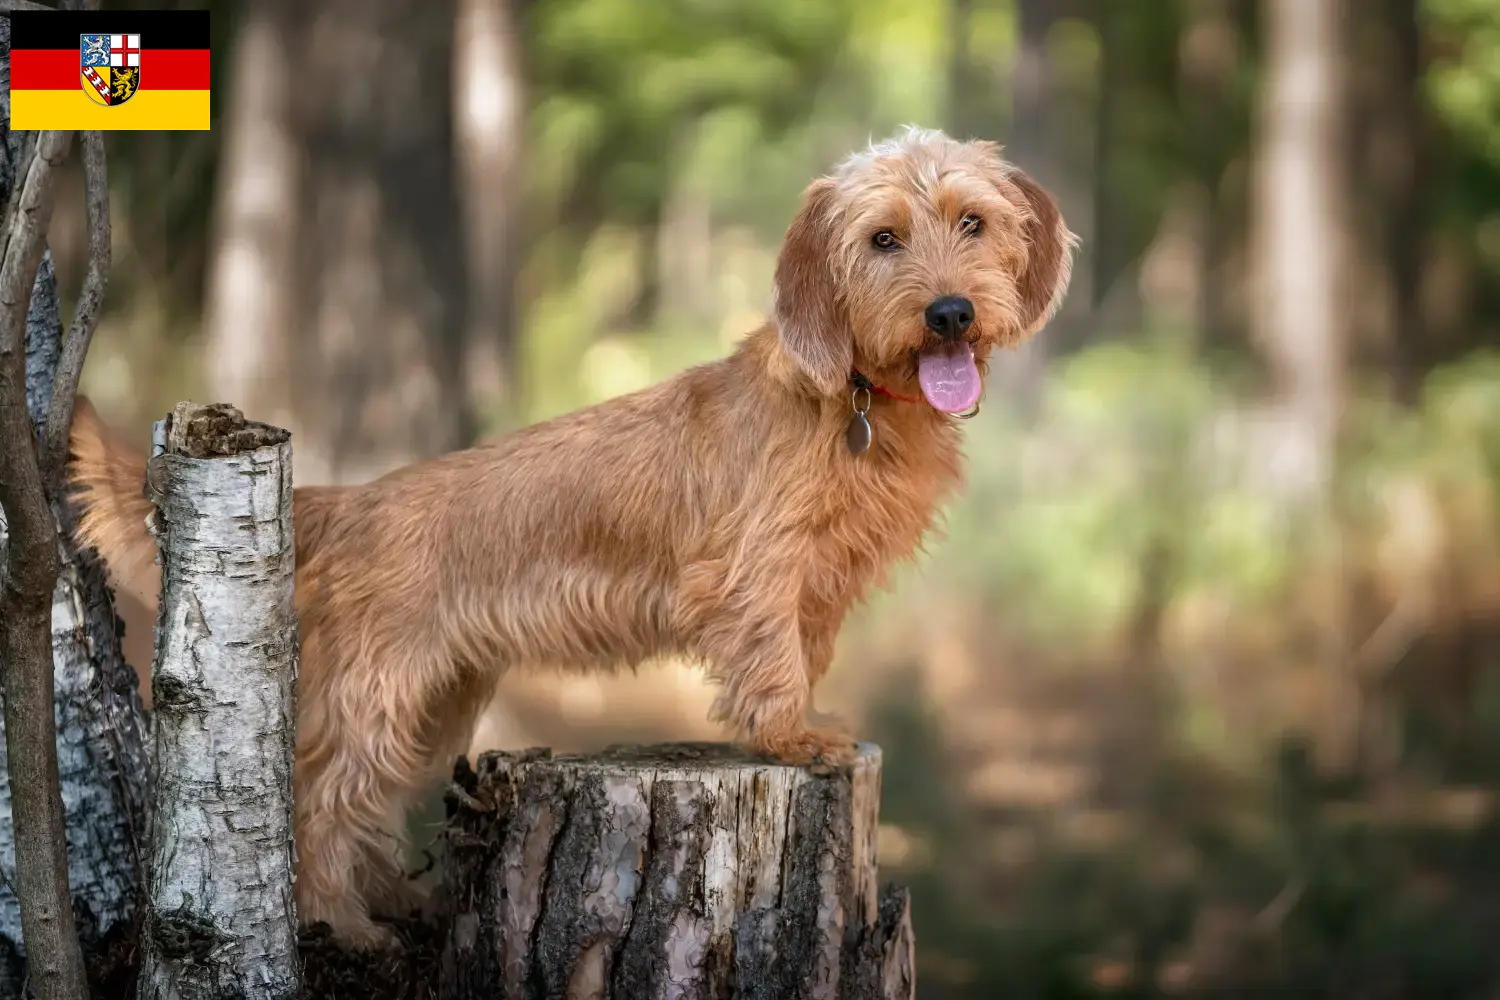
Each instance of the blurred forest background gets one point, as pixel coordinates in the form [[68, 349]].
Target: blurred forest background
[[1202, 693]]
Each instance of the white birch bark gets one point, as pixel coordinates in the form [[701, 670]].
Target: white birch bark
[[221, 920]]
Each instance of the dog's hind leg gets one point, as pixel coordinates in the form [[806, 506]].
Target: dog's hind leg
[[365, 749], [349, 810]]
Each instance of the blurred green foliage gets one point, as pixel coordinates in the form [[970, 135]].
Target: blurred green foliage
[[1465, 81]]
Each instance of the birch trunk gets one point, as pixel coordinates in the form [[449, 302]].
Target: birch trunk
[[681, 871], [102, 767], [222, 921]]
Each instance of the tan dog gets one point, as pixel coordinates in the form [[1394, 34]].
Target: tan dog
[[728, 514]]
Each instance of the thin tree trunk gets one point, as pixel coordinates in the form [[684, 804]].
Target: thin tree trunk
[[102, 766], [38, 875], [1298, 204], [1300, 215], [1021, 371], [1208, 59], [684, 870], [222, 919], [249, 314], [489, 90], [1031, 86], [1105, 252], [1406, 203], [968, 109]]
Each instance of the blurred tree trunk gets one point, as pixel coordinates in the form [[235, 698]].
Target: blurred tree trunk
[[489, 123], [1299, 217], [975, 92], [1388, 162], [249, 315], [1298, 318], [1209, 57], [103, 771], [340, 232], [1105, 252], [1021, 371], [1384, 161], [1407, 140], [1030, 86]]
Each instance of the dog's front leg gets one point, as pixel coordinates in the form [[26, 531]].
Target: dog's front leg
[[819, 646], [821, 619], [768, 692]]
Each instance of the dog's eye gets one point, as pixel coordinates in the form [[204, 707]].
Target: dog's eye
[[885, 240], [971, 225]]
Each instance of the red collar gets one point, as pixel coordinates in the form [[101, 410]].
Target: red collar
[[862, 382]]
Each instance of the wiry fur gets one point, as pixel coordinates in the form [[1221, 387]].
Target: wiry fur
[[716, 515]]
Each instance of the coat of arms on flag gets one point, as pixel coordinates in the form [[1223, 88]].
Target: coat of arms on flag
[[111, 67]]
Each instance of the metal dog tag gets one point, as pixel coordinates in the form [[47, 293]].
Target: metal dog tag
[[857, 437]]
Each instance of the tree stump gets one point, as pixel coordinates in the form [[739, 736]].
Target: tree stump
[[687, 871], [221, 921]]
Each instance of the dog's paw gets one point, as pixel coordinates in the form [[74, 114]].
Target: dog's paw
[[378, 937], [801, 748], [365, 934], [400, 899]]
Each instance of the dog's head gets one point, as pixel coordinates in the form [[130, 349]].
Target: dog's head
[[914, 261]]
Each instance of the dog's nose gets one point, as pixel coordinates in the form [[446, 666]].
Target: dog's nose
[[950, 316]]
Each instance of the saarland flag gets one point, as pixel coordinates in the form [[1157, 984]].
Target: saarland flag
[[134, 70]]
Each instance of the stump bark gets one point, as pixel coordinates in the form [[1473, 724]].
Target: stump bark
[[686, 871], [221, 920]]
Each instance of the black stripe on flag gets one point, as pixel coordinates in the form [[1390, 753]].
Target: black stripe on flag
[[159, 29]]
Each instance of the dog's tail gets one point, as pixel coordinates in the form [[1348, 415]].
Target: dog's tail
[[108, 477]]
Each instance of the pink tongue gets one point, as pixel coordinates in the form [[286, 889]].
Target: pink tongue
[[949, 378]]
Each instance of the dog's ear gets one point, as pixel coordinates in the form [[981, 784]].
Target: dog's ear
[[1049, 255], [814, 331]]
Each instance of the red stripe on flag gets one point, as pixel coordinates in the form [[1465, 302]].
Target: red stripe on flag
[[59, 69]]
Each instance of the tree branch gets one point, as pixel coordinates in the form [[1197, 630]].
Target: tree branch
[[21, 168], [76, 344], [7, 6], [24, 238], [55, 961]]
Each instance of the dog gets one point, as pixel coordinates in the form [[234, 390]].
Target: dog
[[732, 514]]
